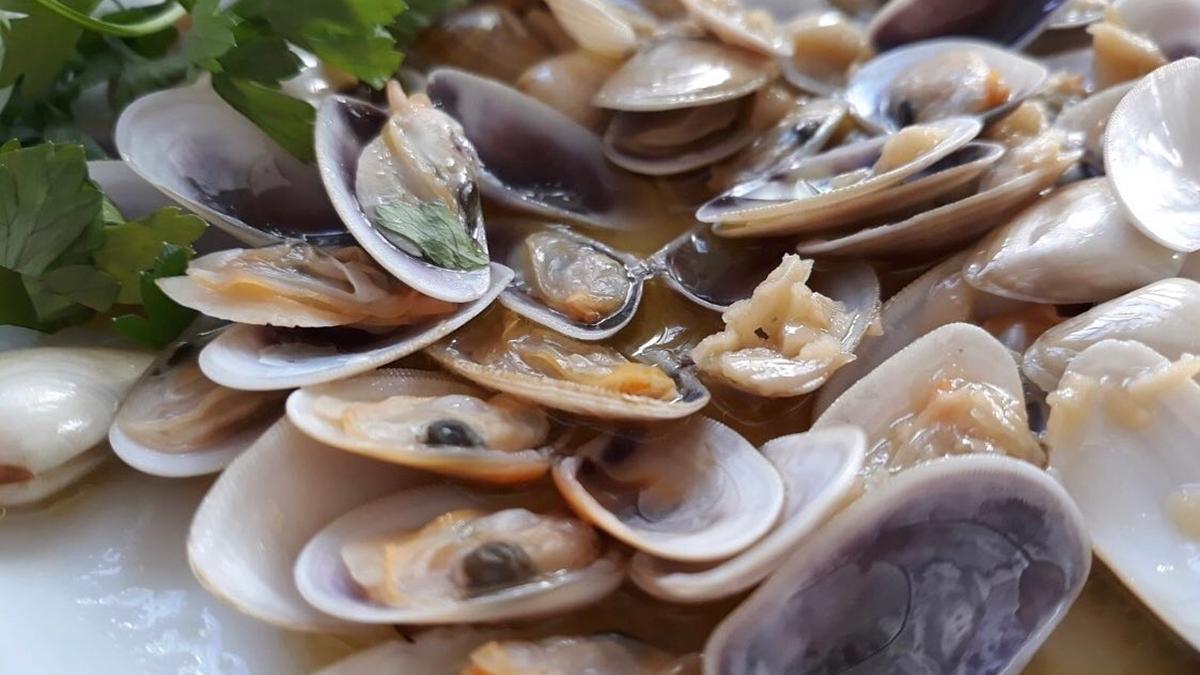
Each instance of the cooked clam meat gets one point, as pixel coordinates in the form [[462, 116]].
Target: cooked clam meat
[[908, 145], [596, 655], [1120, 55], [1042, 153], [784, 340], [298, 285], [499, 423], [468, 553], [572, 277], [957, 417], [954, 83]]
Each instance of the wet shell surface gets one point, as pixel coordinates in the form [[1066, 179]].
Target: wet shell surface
[[260, 358], [1123, 433], [199, 151], [881, 94], [1151, 158], [426, 420], [961, 565], [695, 492], [1013, 23], [715, 272], [1086, 121], [324, 580], [711, 73], [818, 469]]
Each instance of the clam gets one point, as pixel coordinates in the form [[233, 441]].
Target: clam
[[199, 151], [746, 27], [802, 132], [818, 470], [581, 654], [955, 390], [490, 39], [961, 565], [56, 404], [786, 340], [1169, 24], [1149, 156], [504, 352], [938, 79], [262, 509], [683, 73], [426, 420], [1012, 23], [568, 178], [1075, 245], [1161, 315], [826, 47], [667, 142], [715, 272], [828, 189], [441, 554], [566, 281], [1078, 13], [567, 82], [1085, 122], [389, 177], [1119, 54], [177, 422], [598, 26], [696, 491], [437, 650], [1123, 433], [258, 358]]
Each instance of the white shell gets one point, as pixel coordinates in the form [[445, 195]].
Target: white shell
[[1152, 155], [1075, 245], [434, 651], [235, 358], [679, 160], [1085, 121], [901, 580], [731, 27], [1011, 23], [323, 580], [1121, 476], [199, 151], [596, 25], [1163, 316], [51, 481], [705, 526], [260, 512], [818, 469], [1077, 14], [480, 464], [869, 87], [683, 73], [1170, 24]]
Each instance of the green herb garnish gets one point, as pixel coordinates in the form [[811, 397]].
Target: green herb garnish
[[165, 320], [435, 231]]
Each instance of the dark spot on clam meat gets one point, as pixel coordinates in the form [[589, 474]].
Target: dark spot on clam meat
[[494, 565], [762, 334], [452, 432]]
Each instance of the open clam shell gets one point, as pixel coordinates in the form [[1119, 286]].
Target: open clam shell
[[175, 422], [1170, 24], [802, 132], [810, 187], [713, 494], [715, 272], [1085, 122], [1123, 476], [961, 565], [623, 146], [599, 26], [1162, 315], [344, 128], [311, 410], [265, 506], [818, 469], [322, 578], [874, 103], [1075, 245], [730, 22], [199, 151], [1012, 23], [683, 73], [567, 178], [508, 240], [1152, 155], [259, 358]]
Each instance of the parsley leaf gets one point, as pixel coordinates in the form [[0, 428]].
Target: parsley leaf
[[287, 120], [435, 231], [38, 46], [129, 248], [164, 320], [211, 34]]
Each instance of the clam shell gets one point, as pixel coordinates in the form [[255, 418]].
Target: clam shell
[[1170, 24], [1163, 316], [730, 25], [475, 463], [818, 469], [1152, 158], [344, 128], [801, 133], [965, 564], [1074, 14], [435, 651], [715, 272], [506, 234], [734, 505], [1012, 23], [596, 25], [323, 580], [51, 481], [200, 152], [869, 89], [134, 196], [1086, 121], [688, 157], [1121, 476], [1074, 245], [739, 211], [504, 124], [260, 512], [236, 359], [683, 73]]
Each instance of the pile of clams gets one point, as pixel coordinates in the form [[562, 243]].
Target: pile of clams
[[722, 336]]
